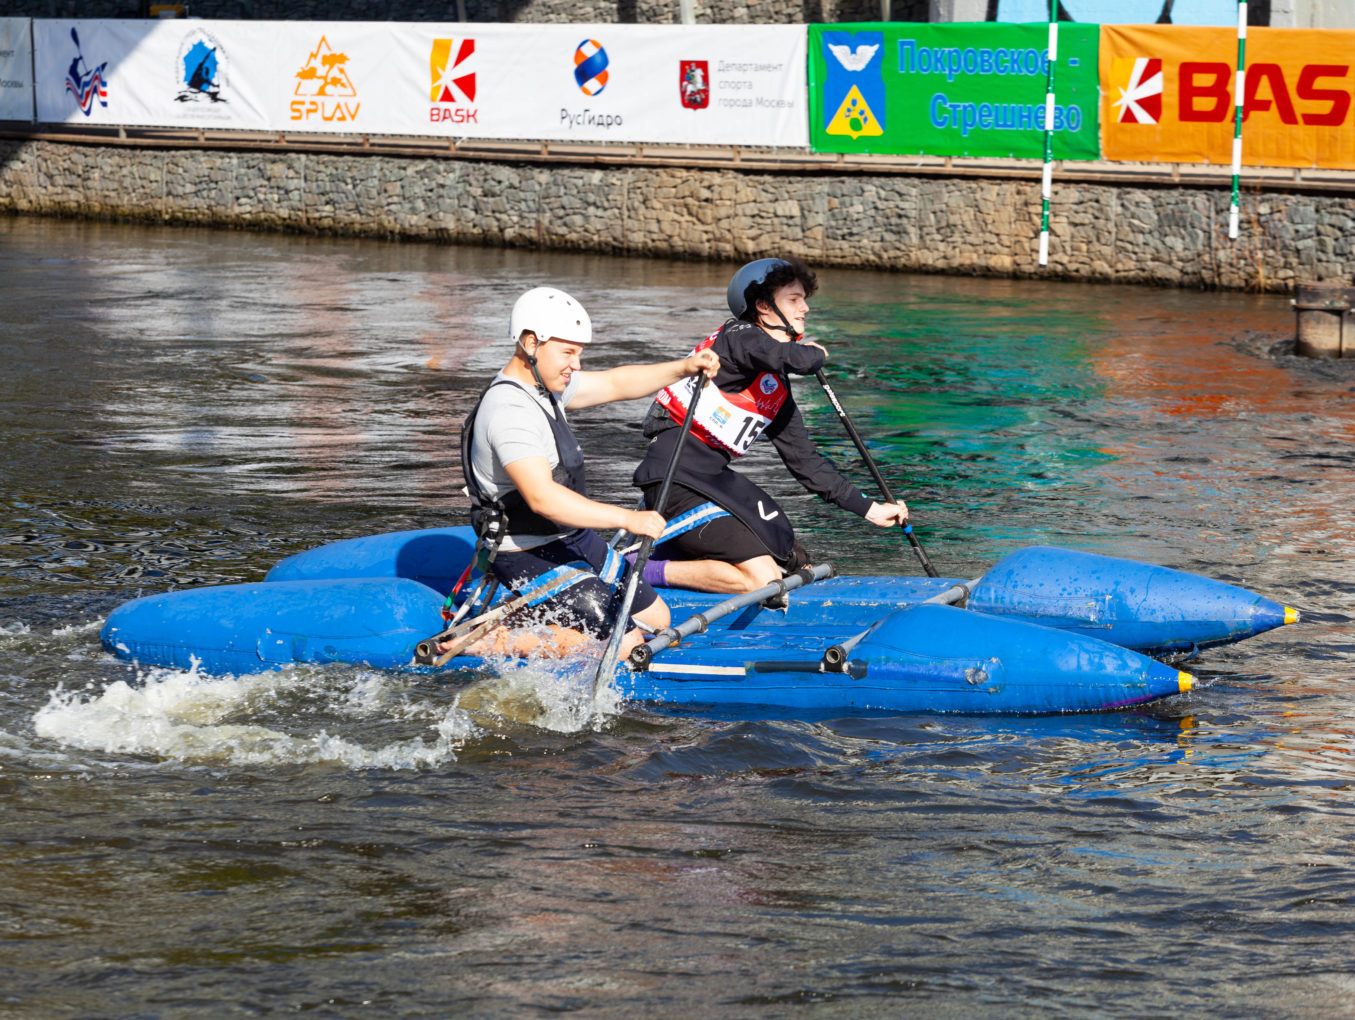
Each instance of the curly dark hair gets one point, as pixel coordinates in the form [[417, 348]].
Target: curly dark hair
[[794, 270]]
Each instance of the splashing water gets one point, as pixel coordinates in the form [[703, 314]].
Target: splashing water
[[187, 716], [548, 694], [287, 717]]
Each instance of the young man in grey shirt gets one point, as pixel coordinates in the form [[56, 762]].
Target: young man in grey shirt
[[524, 471]]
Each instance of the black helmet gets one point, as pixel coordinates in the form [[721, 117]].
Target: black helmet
[[754, 274], [759, 280]]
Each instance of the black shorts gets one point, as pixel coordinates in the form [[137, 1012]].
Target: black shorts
[[588, 605], [725, 538]]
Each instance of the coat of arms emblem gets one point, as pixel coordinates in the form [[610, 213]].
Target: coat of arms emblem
[[694, 84]]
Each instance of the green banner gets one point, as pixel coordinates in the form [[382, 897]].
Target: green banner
[[952, 90]]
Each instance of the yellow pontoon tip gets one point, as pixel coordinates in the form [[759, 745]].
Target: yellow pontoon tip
[[1184, 682], [1291, 615]]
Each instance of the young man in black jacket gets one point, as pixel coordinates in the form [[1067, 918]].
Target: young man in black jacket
[[739, 538]]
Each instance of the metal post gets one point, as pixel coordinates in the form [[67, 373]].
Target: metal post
[[33, 67], [1047, 178], [1239, 97], [687, 12]]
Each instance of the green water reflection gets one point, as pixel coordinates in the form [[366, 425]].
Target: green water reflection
[[959, 391]]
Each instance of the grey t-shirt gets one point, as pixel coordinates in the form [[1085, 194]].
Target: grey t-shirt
[[512, 425]]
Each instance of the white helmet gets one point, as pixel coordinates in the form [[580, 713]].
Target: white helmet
[[552, 315]]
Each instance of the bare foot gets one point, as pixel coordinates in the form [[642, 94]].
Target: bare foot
[[545, 642]]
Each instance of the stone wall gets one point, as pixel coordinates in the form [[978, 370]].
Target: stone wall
[[1173, 236], [707, 12]]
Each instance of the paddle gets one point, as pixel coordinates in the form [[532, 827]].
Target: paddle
[[874, 471], [607, 667]]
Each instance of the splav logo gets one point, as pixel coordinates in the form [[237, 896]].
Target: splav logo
[[324, 78], [452, 87]]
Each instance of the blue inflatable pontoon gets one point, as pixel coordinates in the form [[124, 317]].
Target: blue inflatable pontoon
[[1044, 630]]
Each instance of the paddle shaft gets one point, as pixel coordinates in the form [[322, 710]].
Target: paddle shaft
[[607, 667], [874, 471]]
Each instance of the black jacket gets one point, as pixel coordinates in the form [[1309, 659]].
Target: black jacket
[[745, 352]]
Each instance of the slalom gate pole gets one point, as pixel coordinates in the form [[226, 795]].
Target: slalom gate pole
[[1047, 177], [1239, 100]]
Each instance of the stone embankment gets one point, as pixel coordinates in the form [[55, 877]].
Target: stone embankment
[[1159, 234]]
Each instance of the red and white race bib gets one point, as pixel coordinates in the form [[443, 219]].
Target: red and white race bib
[[727, 421]]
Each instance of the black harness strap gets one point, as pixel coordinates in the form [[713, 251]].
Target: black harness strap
[[509, 514]]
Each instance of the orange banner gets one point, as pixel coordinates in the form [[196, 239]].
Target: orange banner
[[1168, 95]]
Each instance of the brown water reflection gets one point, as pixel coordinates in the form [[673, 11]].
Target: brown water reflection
[[186, 407]]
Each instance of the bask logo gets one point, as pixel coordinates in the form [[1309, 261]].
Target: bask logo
[[1202, 91], [694, 83], [452, 81], [1139, 85], [324, 76]]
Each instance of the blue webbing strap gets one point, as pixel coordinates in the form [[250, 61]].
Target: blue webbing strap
[[541, 580], [693, 518], [689, 521], [614, 566]]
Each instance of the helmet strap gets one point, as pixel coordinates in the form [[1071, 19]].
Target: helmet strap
[[531, 363], [785, 326]]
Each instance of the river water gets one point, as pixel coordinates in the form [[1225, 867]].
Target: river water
[[185, 407]]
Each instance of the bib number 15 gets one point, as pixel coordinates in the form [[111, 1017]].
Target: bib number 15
[[751, 428]]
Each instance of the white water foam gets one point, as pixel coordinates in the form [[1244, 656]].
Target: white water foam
[[547, 694], [187, 716], [77, 630], [16, 635]]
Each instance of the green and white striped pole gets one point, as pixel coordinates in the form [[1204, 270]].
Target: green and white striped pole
[[1239, 97], [1047, 179]]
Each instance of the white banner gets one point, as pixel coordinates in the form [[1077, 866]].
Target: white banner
[[629, 83], [16, 70], [152, 73], [633, 83], [339, 76]]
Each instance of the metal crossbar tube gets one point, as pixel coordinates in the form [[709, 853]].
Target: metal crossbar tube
[[835, 656], [642, 655]]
